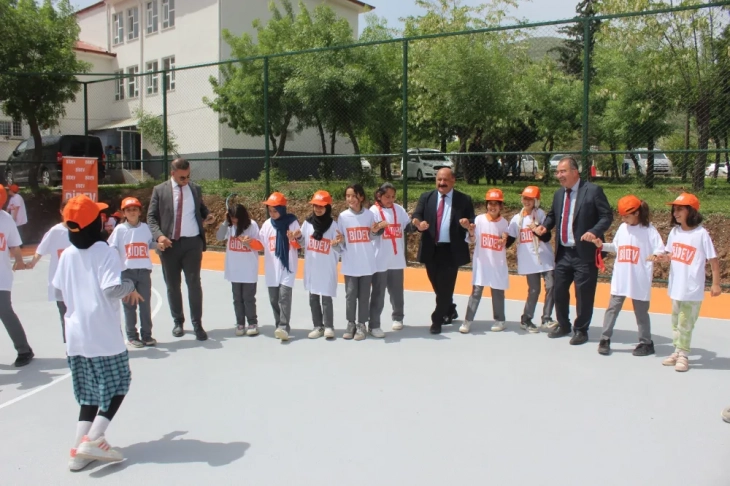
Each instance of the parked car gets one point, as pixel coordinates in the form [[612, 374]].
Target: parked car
[[55, 147], [710, 171], [662, 164], [423, 163], [555, 159]]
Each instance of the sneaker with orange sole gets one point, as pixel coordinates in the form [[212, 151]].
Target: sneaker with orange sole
[[99, 450]]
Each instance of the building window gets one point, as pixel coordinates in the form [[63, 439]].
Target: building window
[[133, 23], [168, 64], [153, 79], [118, 28], [17, 129], [11, 129], [132, 83], [168, 14], [119, 86], [152, 17]]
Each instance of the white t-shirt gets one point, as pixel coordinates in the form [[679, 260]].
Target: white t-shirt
[[16, 202], [387, 255], [53, 244], [489, 264], [133, 244], [320, 261], [276, 274], [689, 251], [9, 238], [242, 263], [632, 273], [92, 320], [531, 258], [358, 256]]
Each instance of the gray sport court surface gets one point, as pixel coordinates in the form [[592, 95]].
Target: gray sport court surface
[[487, 408]]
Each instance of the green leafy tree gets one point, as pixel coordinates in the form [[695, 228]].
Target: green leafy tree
[[571, 51], [38, 39], [153, 131]]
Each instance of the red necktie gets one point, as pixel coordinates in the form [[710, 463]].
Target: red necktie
[[439, 216], [178, 216], [566, 217]]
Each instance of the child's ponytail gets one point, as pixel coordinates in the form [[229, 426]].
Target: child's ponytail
[[644, 214]]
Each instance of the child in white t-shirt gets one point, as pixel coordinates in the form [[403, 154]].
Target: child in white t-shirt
[[535, 259], [489, 264], [689, 247], [281, 260], [133, 240], [89, 276], [241, 268], [53, 243], [390, 257], [321, 241], [358, 227], [636, 243]]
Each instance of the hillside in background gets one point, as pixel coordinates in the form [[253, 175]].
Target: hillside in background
[[539, 47]]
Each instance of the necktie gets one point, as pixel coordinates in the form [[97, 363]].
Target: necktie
[[566, 216], [439, 216], [178, 215]]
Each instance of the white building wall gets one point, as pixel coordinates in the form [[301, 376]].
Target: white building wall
[[93, 24]]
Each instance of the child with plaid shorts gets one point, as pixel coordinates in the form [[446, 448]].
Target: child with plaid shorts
[[89, 277]]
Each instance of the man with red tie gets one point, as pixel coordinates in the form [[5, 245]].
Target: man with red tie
[[581, 213], [443, 217], [176, 217]]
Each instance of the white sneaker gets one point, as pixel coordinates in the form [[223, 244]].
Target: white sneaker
[[498, 326], [281, 333], [252, 330], [318, 332], [240, 330], [549, 326], [376, 332], [464, 328], [397, 325], [99, 450], [360, 332], [329, 333], [76, 463]]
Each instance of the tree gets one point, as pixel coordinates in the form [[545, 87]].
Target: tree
[[153, 132], [38, 40], [571, 52]]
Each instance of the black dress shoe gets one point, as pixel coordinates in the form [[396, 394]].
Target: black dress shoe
[[178, 331], [23, 359], [604, 347], [201, 335], [452, 316], [580, 337], [435, 329], [558, 333]]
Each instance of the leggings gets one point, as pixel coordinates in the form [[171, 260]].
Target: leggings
[[89, 412]]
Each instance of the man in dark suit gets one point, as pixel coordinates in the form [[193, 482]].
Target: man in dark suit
[[443, 217], [176, 217], [580, 213]]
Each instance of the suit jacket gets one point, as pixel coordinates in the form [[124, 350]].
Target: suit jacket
[[461, 207], [161, 213], [592, 213]]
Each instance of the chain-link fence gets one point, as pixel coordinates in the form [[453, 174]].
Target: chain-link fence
[[640, 97]]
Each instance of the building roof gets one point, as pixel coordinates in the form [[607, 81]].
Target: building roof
[[91, 7], [364, 6], [86, 47]]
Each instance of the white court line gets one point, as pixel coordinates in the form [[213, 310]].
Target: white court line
[[157, 308]]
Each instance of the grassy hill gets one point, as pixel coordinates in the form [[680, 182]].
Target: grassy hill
[[539, 47]]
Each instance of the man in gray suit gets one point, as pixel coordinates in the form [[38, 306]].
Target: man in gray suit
[[176, 217]]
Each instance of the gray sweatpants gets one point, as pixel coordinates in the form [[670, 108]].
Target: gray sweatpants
[[318, 303], [641, 311], [280, 299], [534, 281], [142, 279], [476, 297], [357, 298], [392, 280], [62, 311], [244, 303], [12, 323]]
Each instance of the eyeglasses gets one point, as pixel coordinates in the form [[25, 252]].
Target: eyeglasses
[[183, 178]]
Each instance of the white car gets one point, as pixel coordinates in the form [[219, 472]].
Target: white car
[[557, 158], [710, 171], [662, 164], [423, 163]]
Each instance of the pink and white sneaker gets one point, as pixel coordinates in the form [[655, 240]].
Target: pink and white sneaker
[[76, 463], [98, 450]]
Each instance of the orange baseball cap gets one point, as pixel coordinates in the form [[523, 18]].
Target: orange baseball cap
[[532, 192], [494, 195], [14, 188], [276, 199], [686, 199], [321, 198], [82, 211], [3, 196], [628, 204], [129, 202]]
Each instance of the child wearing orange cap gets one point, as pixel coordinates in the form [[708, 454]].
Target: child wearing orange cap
[[689, 247], [133, 240], [10, 245], [489, 264], [241, 267], [89, 276], [535, 259], [16, 208], [636, 243], [280, 260], [321, 240]]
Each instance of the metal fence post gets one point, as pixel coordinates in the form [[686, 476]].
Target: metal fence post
[[586, 93], [86, 120], [404, 172], [267, 155], [165, 85]]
